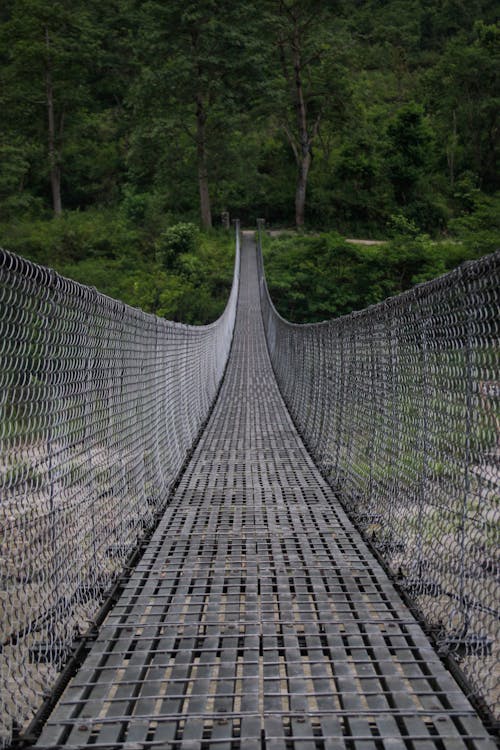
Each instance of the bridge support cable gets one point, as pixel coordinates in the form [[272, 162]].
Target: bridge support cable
[[100, 405], [257, 617], [399, 405]]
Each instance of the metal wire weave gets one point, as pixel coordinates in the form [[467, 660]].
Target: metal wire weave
[[399, 406], [99, 406]]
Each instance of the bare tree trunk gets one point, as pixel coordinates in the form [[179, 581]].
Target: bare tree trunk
[[55, 170], [201, 153]]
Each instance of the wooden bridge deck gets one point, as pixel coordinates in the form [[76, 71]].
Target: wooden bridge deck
[[257, 617]]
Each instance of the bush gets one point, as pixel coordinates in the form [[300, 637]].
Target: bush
[[188, 281], [315, 278], [70, 238], [174, 241], [479, 228]]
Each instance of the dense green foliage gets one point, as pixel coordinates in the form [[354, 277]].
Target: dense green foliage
[[318, 277], [185, 276], [131, 121]]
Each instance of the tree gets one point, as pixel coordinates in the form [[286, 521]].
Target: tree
[[277, 109], [408, 158], [463, 93], [312, 81], [49, 50], [197, 60]]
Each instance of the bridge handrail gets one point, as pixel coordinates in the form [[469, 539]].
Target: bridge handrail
[[399, 405], [100, 404]]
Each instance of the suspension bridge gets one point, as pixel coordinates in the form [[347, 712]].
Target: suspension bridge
[[181, 557]]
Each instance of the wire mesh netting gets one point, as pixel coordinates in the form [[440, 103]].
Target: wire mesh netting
[[100, 404], [400, 407]]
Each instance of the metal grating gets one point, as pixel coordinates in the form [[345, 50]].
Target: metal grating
[[257, 617]]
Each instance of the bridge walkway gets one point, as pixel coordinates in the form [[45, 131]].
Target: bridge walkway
[[257, 617]]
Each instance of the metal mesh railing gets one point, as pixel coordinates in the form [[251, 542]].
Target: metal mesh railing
[[99, 406], [400, 407]]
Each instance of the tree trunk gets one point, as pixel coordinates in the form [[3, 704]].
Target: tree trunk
[[55, 170], [300, 192], [451, 150], [201, 152], [201, 136], [303, 152], [205, 209]]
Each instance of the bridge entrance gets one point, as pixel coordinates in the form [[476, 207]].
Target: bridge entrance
[[257, 617]]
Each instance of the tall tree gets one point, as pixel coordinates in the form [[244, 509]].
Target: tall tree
[[312, 81], [463, 92], [195, 70], [49, 49]]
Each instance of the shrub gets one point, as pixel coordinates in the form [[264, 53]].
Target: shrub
[[175, 241]]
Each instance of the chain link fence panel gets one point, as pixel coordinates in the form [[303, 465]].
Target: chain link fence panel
[[100, 404], [399, 405]]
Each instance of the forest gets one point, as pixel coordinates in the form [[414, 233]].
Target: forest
[[130, 127]]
